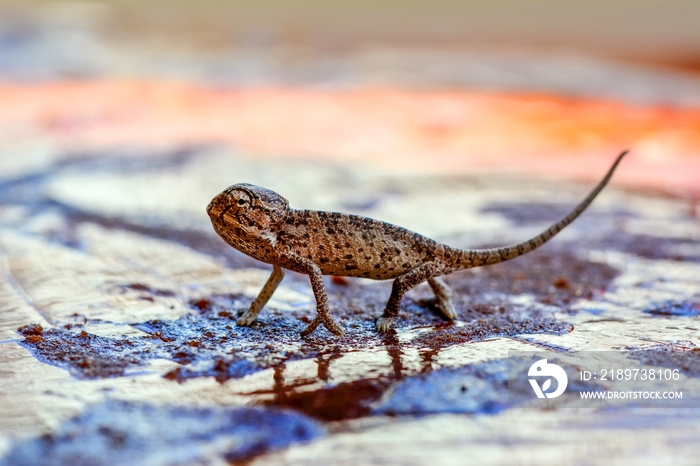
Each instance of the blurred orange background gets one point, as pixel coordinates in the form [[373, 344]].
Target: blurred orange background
[[555, 88]]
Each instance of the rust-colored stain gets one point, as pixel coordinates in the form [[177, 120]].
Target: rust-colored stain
[[436, 130]]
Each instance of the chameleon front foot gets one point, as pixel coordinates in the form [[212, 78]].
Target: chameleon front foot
[[247, 319], [384, 324], [331, 325]]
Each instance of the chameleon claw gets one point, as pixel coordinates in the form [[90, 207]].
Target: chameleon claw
[[384, 324], [335, 329], [447, 309]]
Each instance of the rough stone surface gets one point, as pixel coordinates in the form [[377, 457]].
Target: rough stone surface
[[106, 304]]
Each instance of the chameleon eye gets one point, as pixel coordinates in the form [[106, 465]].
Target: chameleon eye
[[240, 202]]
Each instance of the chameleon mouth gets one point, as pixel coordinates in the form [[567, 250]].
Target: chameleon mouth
[[215, 207], [210, 207]]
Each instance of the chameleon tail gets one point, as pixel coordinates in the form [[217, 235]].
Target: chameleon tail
[[478, 257]]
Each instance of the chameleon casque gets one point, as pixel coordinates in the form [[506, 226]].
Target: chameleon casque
[[260, 223]]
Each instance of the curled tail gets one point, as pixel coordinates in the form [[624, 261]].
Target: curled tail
[[477, 257]]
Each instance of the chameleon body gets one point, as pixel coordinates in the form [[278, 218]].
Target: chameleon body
[[261, 224]]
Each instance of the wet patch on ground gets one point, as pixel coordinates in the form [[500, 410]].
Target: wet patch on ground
[[346, 400], [209, 344], [204, 346], [122, 433], [83, 354]]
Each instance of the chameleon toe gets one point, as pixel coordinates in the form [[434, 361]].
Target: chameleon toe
[[336, 329], [384, 324], [447, 309]]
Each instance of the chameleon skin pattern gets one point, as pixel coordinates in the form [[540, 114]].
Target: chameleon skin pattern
[[260, 223]]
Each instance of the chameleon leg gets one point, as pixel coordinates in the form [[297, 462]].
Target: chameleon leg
[[323, 315], [443, 294], [251, 315], [399, 288]]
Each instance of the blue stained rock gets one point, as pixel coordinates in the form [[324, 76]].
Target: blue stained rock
[[478, 388], [122, 433]]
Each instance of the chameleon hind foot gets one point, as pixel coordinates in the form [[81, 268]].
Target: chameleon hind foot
[[384, 324], [443, 296]]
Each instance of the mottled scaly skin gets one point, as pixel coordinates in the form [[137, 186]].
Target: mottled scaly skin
[[260, 223]]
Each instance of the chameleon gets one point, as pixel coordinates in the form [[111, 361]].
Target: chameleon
[[261, 224]]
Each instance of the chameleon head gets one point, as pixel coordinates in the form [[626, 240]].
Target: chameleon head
[[244, 212]]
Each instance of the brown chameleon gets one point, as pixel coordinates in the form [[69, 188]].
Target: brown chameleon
[[260, 223]]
